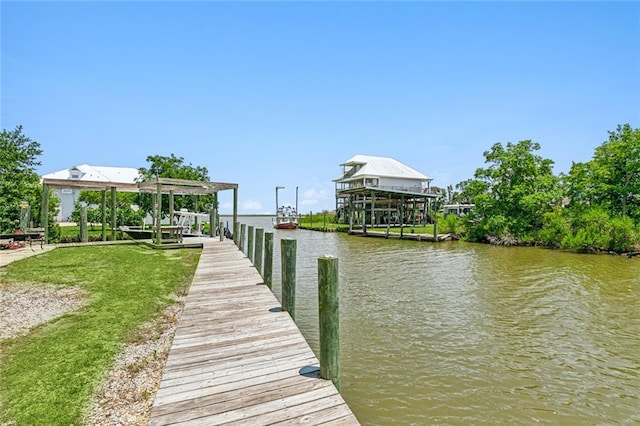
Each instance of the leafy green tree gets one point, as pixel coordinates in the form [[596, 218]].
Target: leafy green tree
[[616, 171], [125, 213], [18, 179], [513, 192], [175, 168]]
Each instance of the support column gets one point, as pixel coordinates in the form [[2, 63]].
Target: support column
[[45, 212], [159, 216], [103, 206], [113, 213], [171, 207], [235, 205]]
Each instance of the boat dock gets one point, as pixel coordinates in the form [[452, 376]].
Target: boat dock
[[237, 358]]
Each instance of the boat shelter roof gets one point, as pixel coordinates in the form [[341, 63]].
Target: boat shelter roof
[[167, 185], [184, 186]]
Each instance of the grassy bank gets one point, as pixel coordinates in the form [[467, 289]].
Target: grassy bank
[[49, 376]]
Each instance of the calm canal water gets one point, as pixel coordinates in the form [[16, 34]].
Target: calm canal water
[[458, 333]]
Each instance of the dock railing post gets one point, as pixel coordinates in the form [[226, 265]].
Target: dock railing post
[[288, 261], [236, 233], [243, 229], [258, 250], [268, 259], [212, 222], [221, 230], [328, 308], [250, 243]]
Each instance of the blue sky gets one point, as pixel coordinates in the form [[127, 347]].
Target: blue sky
[[280, 93]]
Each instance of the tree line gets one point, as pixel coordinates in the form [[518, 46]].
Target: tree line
[[519, 200], [20, 185]]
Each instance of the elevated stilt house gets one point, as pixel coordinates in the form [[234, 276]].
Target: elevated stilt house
[[381, 191]]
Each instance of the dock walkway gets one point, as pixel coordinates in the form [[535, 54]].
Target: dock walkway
[[236, 358]]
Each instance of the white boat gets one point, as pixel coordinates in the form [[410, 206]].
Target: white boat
[[286, 216]]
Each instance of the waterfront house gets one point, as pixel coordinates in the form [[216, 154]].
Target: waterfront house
[[382, 190], [85, 172]]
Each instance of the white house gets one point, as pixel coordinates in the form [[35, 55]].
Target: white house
[[380, 172], [372, 182], [85, 172]]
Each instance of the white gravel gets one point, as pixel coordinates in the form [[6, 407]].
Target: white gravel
[[126, 395], [23, 307]]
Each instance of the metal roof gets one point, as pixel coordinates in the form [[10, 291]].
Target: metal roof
[[380, 166], [104, 174]]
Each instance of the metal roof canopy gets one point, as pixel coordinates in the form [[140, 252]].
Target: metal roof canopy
[[183, 186], [178, 186]]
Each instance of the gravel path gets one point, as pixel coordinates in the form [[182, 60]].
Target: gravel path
[[128, 390]]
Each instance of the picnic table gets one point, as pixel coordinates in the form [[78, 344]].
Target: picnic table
[[33, 234]]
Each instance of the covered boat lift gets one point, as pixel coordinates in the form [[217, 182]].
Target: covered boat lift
[[156, 186]]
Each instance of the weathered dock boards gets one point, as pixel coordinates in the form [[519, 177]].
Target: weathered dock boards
[[236, 358]]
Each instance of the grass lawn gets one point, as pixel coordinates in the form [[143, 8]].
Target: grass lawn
[[49, 376]]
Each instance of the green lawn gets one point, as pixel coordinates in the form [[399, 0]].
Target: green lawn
[[49, 376]]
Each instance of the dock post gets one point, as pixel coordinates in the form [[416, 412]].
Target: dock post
[[258, 250], [288, 257], [221, 230], [243, 229], [328, 307], [44, 218], [268, 259], [114, 217], [212, 222], [104, 214], [84, 233], [250, 242], [236, 232], [435, 229]]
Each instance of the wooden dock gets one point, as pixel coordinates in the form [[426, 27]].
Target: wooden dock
[[237, 359]]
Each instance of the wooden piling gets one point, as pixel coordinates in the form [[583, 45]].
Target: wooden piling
[[236, 232], [288, 266], [212, 222], [84, 232], [113, 213], [250, 231], [104, 214], [258, 251], [221, 230], [328, 307], [268, 259], [44, 218], [243, 229]]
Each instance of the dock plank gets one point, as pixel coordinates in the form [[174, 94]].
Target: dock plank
[[237, 358]]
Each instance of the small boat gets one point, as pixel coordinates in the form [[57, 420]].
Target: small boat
[[286, 216], [137, 233]]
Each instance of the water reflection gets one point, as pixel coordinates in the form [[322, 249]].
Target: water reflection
[[459, 333]]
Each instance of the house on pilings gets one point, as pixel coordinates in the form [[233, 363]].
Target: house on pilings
[[381, 191]]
